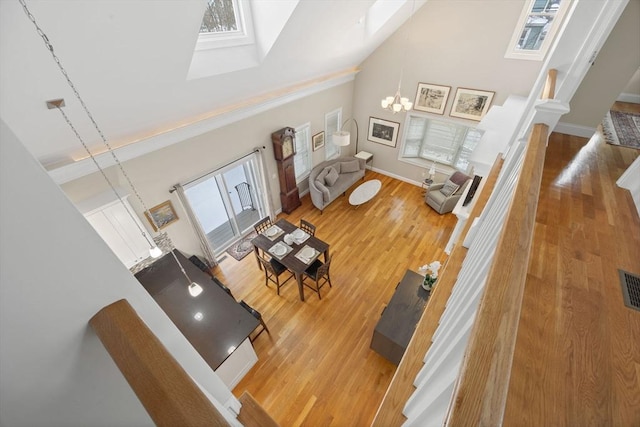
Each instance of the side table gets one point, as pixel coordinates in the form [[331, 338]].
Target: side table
[[367, 157], [426, 184]]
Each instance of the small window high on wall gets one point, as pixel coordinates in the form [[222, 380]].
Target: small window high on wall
[[445, 142], [536, 28]]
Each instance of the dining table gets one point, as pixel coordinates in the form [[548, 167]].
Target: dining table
[[295, 259]]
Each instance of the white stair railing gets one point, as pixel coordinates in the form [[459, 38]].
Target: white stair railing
[[434, 384], [438, 382]]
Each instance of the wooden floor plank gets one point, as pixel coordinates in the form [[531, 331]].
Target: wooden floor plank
[[316, 368], [577, 351], [577, 360]]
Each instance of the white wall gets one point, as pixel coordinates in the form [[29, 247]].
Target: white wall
[[55, 274], [155, 173], [451, 43], [612, 70], [633, 87]]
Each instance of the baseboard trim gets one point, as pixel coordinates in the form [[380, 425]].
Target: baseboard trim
[[575, 130], [629, 97], [398, 177]]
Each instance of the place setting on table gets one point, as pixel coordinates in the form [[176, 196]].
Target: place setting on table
[[291, 246]]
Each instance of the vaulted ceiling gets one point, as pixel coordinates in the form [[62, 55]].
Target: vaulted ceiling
[[129, 60]]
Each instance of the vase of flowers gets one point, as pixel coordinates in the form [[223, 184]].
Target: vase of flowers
[[430, 272]]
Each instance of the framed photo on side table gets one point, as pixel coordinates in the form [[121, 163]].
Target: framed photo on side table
[[431, 98], [383, 131], [471, 104], [163, 215], [317, 140]]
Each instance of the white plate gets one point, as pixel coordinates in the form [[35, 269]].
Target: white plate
[[308, 252], [279, 250], [271, 231], [298, 234]]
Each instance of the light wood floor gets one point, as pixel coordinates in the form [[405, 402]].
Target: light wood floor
[[317, 368], [577, 360]]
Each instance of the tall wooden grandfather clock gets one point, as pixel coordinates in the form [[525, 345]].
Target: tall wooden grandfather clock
[[284, 147]]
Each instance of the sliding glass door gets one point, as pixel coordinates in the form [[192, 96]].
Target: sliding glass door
[[228, 202]]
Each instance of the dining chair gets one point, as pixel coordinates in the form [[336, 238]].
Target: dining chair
[[308, 227], [224, 288], [255, 313], [263, 224], [319, 272], [272, 272]]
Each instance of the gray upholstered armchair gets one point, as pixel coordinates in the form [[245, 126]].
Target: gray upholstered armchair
[[443, 197]]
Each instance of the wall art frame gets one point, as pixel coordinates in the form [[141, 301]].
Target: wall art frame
[[163, 215], [317, 141], [431, 98], [471, 104], [383, 131]]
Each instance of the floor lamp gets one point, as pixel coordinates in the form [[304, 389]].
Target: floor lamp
[[342, 138]]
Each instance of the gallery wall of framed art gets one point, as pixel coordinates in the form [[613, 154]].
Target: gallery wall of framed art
[[470, 104]]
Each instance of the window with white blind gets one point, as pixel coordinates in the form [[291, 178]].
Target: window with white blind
[[302, 158], [332, 122], [445, 142]]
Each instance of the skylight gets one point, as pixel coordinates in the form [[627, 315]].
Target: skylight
[[221, 16], [237, 34], [226, 23]]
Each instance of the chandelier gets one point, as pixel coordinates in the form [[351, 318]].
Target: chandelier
[[397, 103]]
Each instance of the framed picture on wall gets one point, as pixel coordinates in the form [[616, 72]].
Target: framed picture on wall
[[431, 98], [383, 131], [163, 215], [317, 140], [471, 104]]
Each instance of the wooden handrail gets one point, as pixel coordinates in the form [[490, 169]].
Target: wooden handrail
[[390, 411], [549, 90], [164, 388], [253, 414], [481, 393]]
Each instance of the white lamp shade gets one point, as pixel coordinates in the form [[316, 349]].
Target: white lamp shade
[[195, 289], [341, 138]]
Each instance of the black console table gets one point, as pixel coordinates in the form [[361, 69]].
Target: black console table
[[400, 317]]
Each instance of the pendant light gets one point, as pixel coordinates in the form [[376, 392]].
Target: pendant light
[[397, 103], [194, 288]]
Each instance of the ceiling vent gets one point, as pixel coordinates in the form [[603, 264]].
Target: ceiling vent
[[630, 289]]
